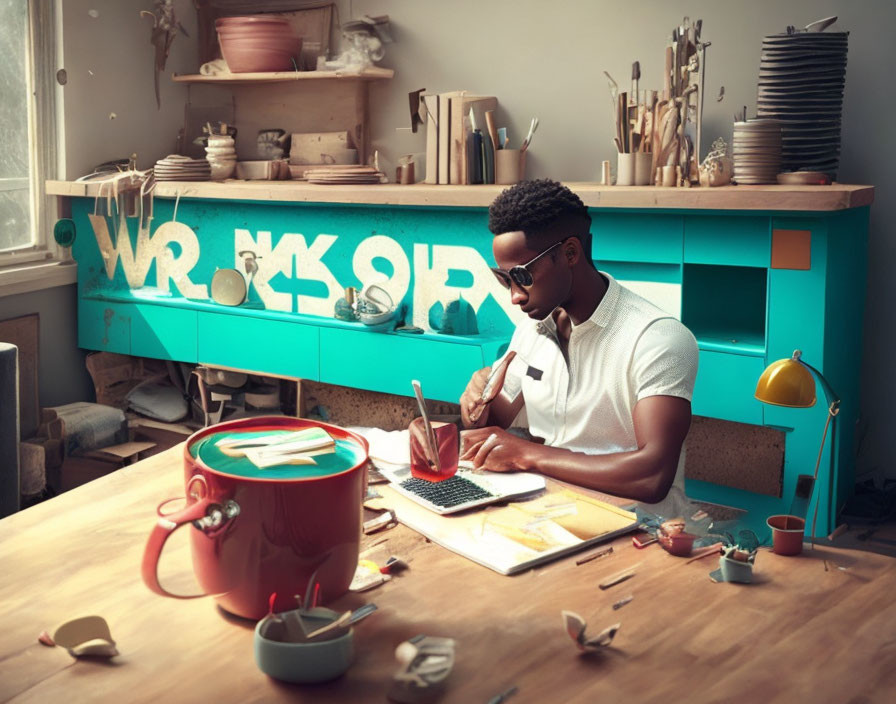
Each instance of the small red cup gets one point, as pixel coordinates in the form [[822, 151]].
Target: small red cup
[[447, 442], [787, 534]]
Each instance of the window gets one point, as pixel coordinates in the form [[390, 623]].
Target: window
[[27, 130]]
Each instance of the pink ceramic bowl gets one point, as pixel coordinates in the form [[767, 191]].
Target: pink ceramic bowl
[[259, 34], [257, 60], [250, 56]]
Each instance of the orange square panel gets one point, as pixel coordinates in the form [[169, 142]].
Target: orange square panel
[[791, 249]]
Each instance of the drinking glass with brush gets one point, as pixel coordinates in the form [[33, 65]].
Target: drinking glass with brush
[[434, 444]]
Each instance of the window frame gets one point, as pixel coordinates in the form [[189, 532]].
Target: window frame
[[29, 263]]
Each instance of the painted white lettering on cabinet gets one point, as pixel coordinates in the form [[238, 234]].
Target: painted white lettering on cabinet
[[135, 262], [382, 246], [431, 286], [291, 248]]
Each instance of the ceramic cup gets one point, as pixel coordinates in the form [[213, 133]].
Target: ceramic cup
[[508, 167], [643, 168], [735, 570], [254, 536], [447, 445], [669, 174], [625, 169], [303, 662], [787, 534]]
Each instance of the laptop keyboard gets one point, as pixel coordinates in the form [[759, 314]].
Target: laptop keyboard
[[450, 492]]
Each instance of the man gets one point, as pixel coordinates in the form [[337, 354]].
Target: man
[[608, 376]]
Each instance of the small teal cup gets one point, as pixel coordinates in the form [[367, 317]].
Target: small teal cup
[[303, 662]]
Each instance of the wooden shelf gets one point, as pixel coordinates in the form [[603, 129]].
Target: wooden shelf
[[758, 198], [368, 74]]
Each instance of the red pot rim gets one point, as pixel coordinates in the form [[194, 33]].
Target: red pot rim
[[274, 423], [251, 19], [801, 529]]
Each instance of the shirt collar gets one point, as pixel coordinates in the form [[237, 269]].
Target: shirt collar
[[601, 315], [604, 311]]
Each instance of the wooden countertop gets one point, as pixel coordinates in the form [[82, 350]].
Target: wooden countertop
[[764, 198], [799, 633]]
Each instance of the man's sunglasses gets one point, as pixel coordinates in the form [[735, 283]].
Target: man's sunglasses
[[520, 274]]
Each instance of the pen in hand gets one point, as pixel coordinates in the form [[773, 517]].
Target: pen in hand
[[493, 385]]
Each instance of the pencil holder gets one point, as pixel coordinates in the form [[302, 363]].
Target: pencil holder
[[508, 166], [625, 169], [643, 168]]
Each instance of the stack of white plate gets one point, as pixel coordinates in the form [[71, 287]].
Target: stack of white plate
[[757, 151], [801, 80], [175, 167]]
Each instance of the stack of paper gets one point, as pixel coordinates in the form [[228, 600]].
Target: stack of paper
[[297, 447]]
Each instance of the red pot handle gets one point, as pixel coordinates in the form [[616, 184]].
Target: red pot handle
[[163, 528]]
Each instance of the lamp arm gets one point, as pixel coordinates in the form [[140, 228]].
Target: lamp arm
[[829, 393]]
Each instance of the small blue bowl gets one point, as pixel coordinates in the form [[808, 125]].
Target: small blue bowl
[[303, 662]]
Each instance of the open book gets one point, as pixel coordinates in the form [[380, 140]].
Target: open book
[[512, 538], [298, 447]]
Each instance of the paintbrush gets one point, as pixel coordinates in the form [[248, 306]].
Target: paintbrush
[[430, 434], [489, 392]]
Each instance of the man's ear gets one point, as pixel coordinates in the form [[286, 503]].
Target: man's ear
[[572, 250]]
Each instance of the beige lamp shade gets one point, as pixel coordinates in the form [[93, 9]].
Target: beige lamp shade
[[787, 382]]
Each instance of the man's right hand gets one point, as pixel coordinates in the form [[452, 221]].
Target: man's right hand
[[471, 404], [475, 410]]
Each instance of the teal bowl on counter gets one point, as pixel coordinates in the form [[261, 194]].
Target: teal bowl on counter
[[303, 662]]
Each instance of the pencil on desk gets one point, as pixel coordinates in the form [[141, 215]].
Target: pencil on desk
[[594, 556], [619, 577]]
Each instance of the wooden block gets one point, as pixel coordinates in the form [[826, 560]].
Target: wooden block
[[306, 148], [742, 456], [53, 449], [123, 453], [76, 471], [792, 249]]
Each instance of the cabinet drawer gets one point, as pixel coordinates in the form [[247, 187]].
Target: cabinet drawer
[[255, 344], [387, 363], [104, 326], [722, 239], [163, 333], [636, 238], [725, 387]]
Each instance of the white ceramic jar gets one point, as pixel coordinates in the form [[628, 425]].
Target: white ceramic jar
[[221, 156]]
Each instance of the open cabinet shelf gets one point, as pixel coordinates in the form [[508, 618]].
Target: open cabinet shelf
[[373, 73]]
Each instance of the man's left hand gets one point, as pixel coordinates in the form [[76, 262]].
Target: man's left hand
[[496, 450]]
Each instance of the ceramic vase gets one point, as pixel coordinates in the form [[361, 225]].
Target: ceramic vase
[[221, 156]]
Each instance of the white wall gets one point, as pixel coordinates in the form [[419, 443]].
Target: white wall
[[543, 59], [109, 61]]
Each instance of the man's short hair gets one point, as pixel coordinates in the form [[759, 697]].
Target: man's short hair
[[541, 209]]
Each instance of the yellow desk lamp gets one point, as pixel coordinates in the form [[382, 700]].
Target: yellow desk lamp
[[789, 382]]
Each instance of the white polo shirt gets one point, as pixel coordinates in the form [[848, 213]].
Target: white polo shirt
[[627, 350]]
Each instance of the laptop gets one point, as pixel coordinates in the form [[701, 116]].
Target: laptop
[[465, 490]]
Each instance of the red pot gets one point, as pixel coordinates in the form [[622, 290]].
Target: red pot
[[250, 56], [250, 20], [251, 537], [787, 534]]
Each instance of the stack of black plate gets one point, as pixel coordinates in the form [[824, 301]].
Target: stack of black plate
[[801, 79]]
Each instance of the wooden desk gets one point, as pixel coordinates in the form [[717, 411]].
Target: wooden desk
[[801, 633]]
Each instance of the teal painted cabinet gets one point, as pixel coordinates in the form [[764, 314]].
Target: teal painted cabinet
[[726, 274]]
